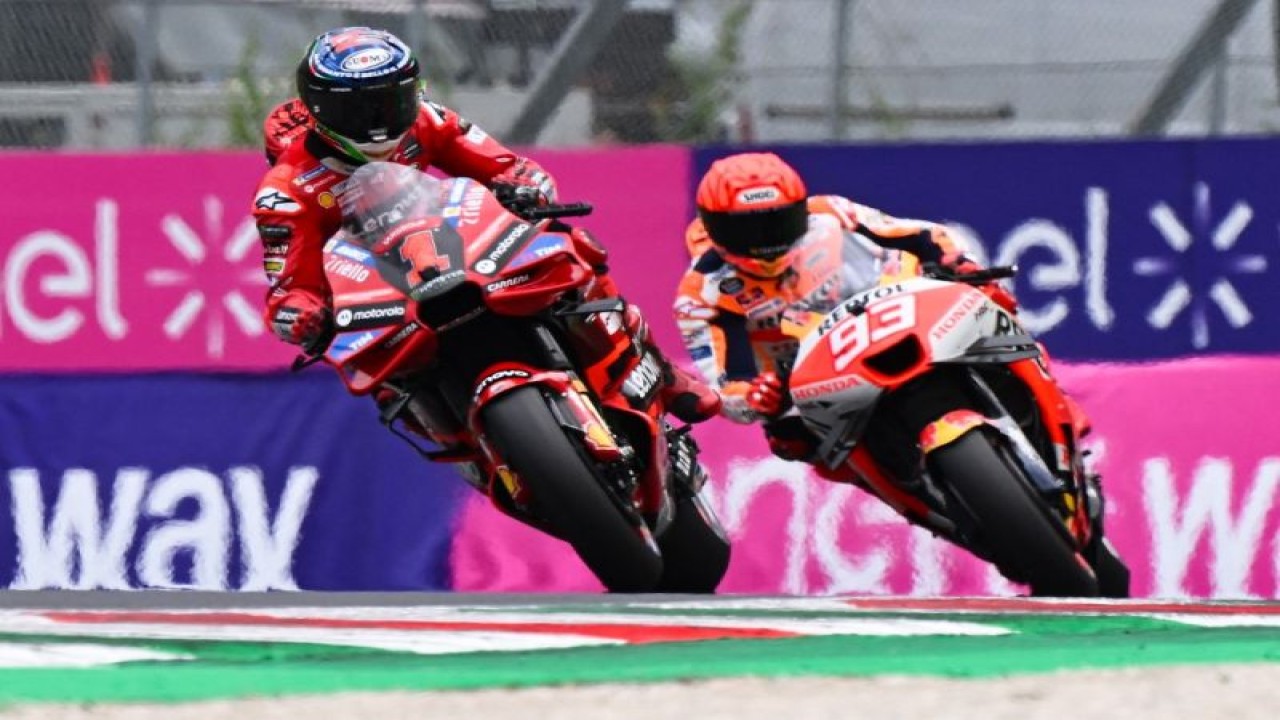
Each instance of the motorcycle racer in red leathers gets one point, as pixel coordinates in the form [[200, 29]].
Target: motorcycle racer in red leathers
[[360, 102], [760, 244]]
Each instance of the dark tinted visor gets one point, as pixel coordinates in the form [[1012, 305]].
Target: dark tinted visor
[[367, 114], [765, 234]]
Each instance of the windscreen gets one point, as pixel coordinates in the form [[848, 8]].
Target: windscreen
[[828, 271], [379, 196]]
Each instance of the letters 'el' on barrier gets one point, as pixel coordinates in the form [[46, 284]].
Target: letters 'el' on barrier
[[1128, 250], [165, 272]]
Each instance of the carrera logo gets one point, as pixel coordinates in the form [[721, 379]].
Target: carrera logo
[[508, 282], [400, 336], [503, 249], [759, 195], [366, 315]]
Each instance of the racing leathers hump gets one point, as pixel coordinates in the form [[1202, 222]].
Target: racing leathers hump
[[733, 324], [297, 212]]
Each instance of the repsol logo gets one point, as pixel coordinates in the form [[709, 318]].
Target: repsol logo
[[498, 254], [369, 314]]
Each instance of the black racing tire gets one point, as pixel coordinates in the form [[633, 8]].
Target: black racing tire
[[567, 493], [695, 551], [1112, 572], [1017, 529]]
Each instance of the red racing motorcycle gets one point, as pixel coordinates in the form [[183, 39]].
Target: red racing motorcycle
[[484, 331], [941, 405]]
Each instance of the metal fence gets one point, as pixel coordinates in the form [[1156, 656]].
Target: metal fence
[[201, 73]]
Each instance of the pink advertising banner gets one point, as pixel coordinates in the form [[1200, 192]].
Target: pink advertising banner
[[1190, 457], [151, 262]]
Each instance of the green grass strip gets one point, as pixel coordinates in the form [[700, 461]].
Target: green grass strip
[[1043, 644]]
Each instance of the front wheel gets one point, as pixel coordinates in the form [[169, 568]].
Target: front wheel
[[1016, 527], [567, 494]]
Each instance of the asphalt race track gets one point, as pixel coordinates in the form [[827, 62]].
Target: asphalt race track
[[116, 650]]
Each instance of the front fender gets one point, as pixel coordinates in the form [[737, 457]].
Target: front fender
[[949, 428], [582, 417], [957, 423]]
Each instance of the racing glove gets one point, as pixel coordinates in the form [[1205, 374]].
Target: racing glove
[[307, 323], [523, 185], [765, 397], [746, 401]]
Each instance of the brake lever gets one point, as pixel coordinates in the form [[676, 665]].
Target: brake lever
[[304, 361], [309, 356], [977, 277]]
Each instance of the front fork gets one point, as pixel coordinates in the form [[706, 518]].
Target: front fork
[[1065, 484]]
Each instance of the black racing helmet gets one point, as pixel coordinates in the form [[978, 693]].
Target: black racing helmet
[[361, 85]]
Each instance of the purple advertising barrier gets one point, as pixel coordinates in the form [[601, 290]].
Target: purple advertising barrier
[[1127, 250], [214, 482], [1193, 482], [151, 262]]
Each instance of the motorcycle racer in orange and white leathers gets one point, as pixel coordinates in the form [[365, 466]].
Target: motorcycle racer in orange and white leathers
[[360, 101], [761, 245]]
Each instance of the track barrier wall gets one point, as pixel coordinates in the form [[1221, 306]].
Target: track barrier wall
[[149, 438]]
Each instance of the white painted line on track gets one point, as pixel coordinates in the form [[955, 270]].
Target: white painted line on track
[[419, 642], [75, 655]]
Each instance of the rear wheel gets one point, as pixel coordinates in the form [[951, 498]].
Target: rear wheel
[[1113, 574], [695, 550], [1017, 529], [567, 493]]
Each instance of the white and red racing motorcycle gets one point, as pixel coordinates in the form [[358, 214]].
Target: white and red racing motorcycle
[[940, 403]]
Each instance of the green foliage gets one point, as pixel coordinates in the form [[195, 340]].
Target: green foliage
[[691, 107], [247, 104]]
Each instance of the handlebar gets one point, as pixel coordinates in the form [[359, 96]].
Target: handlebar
[[577, 209], [976, 277], [523, 201]]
